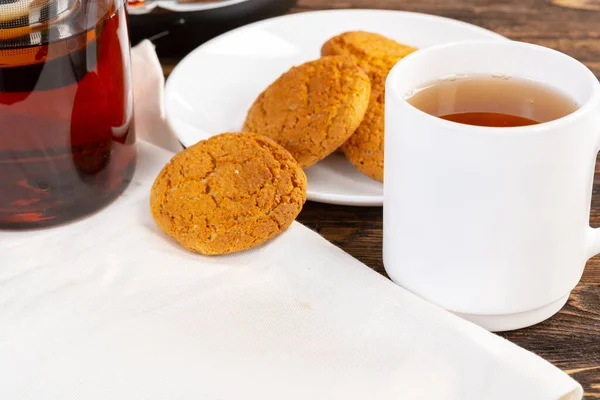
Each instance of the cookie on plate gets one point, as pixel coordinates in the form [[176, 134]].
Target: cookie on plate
[[376, 55], [312, 109], [365, 148], [229, 193]]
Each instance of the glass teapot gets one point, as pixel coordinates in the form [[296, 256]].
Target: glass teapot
[[66, 109]]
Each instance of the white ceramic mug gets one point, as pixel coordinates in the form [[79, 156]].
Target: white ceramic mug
[[490, 223]]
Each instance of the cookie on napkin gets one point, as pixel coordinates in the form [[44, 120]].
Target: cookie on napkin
[[312, 109], [229, 193]]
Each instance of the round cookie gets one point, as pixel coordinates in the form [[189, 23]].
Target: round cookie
[[229, 193], [374, 53], [365, 148], [377, 55], [312, 109]]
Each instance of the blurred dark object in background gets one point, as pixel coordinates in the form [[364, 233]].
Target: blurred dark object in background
[[177, 33]]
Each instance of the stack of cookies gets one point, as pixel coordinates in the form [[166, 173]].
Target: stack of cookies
[[337, 100], [236, 191]]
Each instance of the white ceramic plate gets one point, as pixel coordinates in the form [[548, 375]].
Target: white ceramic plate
[[210, 91], [182, 7]]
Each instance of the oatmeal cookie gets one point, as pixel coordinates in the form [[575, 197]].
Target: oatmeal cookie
[[229, 193], [365, 148], [376, 55], [312, 109]]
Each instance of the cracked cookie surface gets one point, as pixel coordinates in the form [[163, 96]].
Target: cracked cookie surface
[[229, 193], [376, 55], [312, 109], [364, 149]]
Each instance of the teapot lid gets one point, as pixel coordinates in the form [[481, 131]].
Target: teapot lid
[[22, 20], [19, 13]]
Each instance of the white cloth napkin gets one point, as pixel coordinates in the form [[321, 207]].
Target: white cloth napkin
[[111, 308], [149, 106]]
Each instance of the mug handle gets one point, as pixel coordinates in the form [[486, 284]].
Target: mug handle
[[593, 245]]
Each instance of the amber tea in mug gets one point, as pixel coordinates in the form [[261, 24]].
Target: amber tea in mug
[[66, 111], [493, 101]]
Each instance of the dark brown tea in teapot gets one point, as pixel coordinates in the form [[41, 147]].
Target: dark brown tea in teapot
[[66, 110]]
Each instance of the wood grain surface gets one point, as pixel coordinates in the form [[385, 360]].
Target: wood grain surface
[[571, 339]]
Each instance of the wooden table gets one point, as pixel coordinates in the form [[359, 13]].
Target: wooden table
[[571, 339]]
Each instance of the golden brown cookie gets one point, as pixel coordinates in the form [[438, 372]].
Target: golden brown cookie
[[374, 53], [377, 55], [229, 193], [312, 109], [364, 149]]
